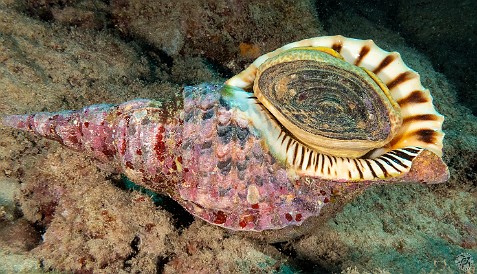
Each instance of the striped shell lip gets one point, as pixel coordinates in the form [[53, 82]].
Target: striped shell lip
[[421, 128]]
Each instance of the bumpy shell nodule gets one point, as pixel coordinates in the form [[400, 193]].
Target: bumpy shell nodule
[[421, 123]]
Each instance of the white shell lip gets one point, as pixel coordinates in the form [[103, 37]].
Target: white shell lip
[[422, 126]]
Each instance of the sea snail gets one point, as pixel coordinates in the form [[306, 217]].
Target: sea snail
[[327, 116]]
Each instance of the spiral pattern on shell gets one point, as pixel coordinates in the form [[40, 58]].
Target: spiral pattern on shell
[[327, 103]]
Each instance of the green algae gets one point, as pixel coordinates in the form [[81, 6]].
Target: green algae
[[125, 183]]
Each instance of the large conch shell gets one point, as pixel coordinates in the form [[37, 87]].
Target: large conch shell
[[226, 156]]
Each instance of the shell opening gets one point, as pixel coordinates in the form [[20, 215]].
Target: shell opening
[[326, 103], [421, 123]]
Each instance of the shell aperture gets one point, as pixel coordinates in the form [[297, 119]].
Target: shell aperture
[[412, 125], [327, 103], [421, 123]]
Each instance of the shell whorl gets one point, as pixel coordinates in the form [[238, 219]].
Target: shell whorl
[[421, 123]]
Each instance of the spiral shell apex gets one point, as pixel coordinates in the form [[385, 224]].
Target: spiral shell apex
[[345, 97]]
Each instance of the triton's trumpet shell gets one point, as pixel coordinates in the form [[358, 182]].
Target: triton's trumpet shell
[[273, 159]]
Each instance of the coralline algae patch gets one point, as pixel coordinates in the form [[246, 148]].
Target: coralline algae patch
[[93, 232]]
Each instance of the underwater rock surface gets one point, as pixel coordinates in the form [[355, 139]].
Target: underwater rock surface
[[89, 223]]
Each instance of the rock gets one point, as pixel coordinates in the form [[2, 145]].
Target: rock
[[230, 33]]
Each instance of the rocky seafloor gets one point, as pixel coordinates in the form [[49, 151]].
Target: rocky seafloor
[[59, 212]]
